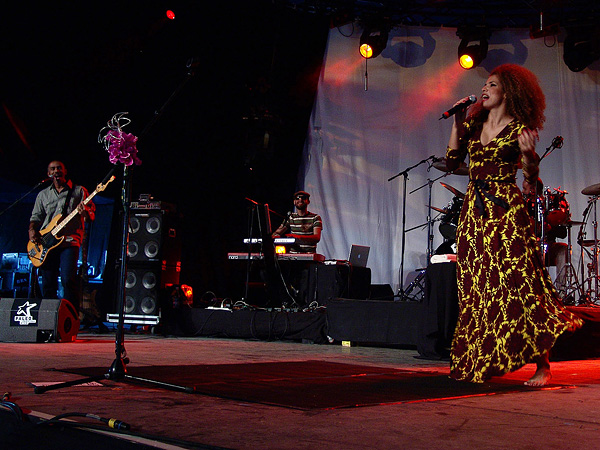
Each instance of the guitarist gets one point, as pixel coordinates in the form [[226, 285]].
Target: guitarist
[[61, 197]]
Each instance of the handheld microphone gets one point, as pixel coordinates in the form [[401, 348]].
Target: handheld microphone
[[472, 99]]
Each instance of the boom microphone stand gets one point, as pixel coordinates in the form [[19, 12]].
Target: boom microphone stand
[[117, 370], [404, 173]]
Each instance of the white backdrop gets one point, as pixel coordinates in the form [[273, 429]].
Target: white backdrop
[[358, 139]]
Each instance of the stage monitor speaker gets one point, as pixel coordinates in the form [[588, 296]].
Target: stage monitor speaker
[[381, 292], [33, 320], [342, 281], [153, 237], [142, 287]]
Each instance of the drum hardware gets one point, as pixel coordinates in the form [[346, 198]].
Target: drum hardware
[[455, 191], [586, 242], [440, 164], [570, 223], [557, 207], [569, 285], [415, 291], [593, 189], [404, 174], [551, 216], [430, 221], [591, 294], [440, 210]]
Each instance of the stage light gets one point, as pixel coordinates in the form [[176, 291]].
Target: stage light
[[581, 48], [470, 55], [170, 14], [372, 42], [180, 295], [280, 249]]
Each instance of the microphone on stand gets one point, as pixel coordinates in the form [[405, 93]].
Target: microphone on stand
[[557, 142], [472, 99]]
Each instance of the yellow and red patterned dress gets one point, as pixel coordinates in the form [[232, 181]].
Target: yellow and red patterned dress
[[509, 311]]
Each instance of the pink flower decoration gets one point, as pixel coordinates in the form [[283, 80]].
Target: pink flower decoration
[[122, 148]]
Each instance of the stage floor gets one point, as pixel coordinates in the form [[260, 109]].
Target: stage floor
[[250, 396]]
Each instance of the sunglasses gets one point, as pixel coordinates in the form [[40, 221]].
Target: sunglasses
[[300, 197]]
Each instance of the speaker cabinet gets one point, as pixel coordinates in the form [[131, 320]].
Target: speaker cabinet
[[153, 259], [33, 320], [337, 281], [381, 292], [153, 237], [141, 289]]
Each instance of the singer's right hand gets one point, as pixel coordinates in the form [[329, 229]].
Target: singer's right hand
[[460, 116]]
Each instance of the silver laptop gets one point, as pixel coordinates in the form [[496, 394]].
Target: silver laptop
[[359, 254]]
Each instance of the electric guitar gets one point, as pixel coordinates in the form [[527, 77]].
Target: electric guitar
[[50, 235]]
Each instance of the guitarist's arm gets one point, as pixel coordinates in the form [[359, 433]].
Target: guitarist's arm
[[34, 232]]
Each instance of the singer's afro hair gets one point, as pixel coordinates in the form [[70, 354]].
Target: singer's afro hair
[[525, 100]]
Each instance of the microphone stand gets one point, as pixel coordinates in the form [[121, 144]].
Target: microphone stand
[[118, 370], [404, 173], [429, 220], [251, 213], [16, 202]]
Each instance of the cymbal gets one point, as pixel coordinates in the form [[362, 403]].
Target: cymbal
[[571, 223], [455, 191], [587, 242], [594, 189], [440, 164], [443, 211]]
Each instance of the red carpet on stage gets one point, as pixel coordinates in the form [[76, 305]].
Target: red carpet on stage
[[310, 385]]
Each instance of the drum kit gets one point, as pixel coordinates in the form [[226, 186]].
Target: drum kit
[[551, 215]]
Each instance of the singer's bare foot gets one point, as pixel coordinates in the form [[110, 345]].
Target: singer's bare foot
[[541, 377]]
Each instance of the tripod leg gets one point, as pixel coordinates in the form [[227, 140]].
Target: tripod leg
[[51, 387], [173, 387]]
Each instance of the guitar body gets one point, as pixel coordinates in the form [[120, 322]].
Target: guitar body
[[37, 252]]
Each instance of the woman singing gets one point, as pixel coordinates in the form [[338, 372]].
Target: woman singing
[[510, 313]]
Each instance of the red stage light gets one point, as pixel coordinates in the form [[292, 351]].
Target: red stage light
[[170, 14]]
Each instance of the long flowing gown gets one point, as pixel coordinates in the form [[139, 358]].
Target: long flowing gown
[[509, 310]]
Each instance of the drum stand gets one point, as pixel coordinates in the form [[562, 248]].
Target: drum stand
[[569, 284], [591, 295]]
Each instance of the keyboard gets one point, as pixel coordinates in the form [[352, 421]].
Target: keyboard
[[276, 241], [281, 257]]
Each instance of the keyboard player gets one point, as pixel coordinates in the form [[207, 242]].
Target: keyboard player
[[302, 225]]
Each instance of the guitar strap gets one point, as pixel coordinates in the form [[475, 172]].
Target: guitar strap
[[67, 201]]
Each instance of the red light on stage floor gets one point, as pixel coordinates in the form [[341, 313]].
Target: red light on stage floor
[[170, 14]]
